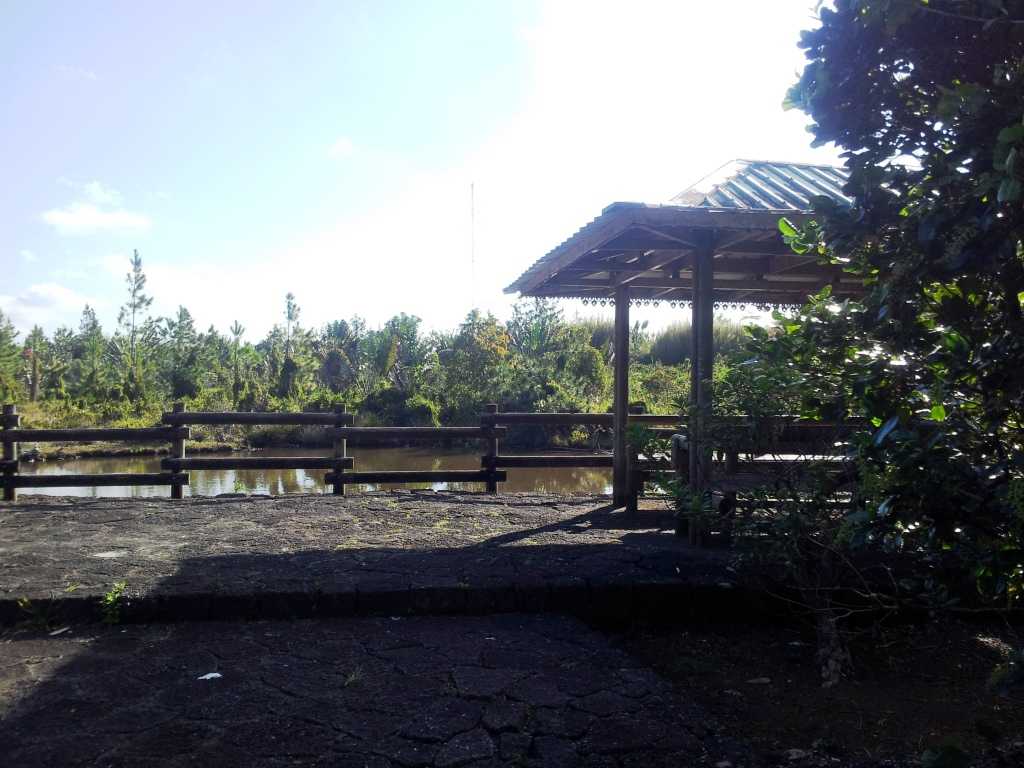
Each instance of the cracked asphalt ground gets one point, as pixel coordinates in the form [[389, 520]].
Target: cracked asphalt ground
[[289, 556], [509, 690]]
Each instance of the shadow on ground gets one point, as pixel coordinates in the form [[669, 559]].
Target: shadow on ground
[[394, 683], [509, 690]]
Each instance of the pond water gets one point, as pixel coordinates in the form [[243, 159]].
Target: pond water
[[213, 482]]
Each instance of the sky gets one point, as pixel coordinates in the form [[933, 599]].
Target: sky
[[249, 149]]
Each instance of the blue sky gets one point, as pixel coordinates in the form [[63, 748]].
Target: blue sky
[[251, 149]]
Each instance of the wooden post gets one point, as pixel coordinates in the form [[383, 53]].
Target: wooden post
[[692, 426], [634, 482], [620, 468], [732, 460], [706, 351], [10, 451], [340, 448], [491, 458], [680, 456], [178, 452], [702, 363]]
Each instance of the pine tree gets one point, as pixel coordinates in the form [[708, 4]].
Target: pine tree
[[237, 384], [136, 330], [34, 354], [89, 370], [132, 313], [10, 359], [291, 315], [288, 382], [181, 347]]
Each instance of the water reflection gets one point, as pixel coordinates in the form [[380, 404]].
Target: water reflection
[[276, 482]]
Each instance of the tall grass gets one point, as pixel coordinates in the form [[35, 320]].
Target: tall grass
[[601, 332], [673, 345]]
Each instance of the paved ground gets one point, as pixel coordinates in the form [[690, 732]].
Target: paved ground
[[393, 553], [508, 690]]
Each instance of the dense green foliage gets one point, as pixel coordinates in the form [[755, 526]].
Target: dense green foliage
[[396, 374], [927, 102]]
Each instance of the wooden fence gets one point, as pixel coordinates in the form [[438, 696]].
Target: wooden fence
[[174, 468], [339, 425]]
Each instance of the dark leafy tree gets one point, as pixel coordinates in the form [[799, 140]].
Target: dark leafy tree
[[927, 102]]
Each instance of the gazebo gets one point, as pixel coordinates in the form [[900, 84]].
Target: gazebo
[[717, 243]]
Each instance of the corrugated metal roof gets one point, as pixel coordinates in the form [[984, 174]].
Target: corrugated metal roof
[[763, 185]]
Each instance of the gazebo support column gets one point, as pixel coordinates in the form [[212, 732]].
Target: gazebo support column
[[703, 319], [620, 466]]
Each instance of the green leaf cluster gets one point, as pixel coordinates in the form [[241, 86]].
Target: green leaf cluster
[[926, 100]]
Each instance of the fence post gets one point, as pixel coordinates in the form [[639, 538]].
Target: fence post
[[634, 480], [732, 460], [340, 449], [10, 451], [487, 420], [178, 452]]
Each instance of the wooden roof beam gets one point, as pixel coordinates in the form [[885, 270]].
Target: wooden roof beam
[[686, 243], [755, 285], [725, 270], [653, 262], [741, 246]]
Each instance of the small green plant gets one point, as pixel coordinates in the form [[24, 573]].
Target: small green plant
[[353, 677], [239, 486], [1009, 674], [692, 507], [112, 602], [947, 755], [38, 616]]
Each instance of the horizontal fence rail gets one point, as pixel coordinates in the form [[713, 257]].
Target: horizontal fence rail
[[105, 479], [258, 462], [420, 433], [419, 476], [543, 462], [123, 435], [580, 419], [258, 418]]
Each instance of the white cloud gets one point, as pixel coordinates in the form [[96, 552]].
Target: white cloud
[[97, 210], [28, 256], [97, 192], [47, 304], [87, 218], [92, 191], [342, 147], [75, 73]]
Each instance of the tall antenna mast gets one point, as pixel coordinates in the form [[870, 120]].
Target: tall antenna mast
[[472, 243]]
